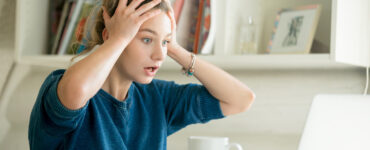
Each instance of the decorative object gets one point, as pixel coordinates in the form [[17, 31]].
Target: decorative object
[[294, 30], [247, 41]]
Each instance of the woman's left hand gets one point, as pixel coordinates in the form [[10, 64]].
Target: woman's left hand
[[173, 45]]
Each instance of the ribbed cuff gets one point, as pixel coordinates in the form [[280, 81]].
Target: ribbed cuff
[[209, 106]]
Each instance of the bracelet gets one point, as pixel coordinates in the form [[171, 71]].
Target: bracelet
[[190, 71]]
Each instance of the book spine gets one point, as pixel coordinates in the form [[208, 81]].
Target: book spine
[[202, 27], [70, 27], [66, 25], [55, 13], [210, 25], [62, 23], [197, 29]]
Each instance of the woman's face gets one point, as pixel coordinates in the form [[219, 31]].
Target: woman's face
[[146, 52]]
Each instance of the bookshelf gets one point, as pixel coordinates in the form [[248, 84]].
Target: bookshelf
[[31, 36]]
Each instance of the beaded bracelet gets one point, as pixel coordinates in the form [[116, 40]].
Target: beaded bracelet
[[190, 71]]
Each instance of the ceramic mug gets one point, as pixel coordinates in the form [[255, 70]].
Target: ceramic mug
[[210, 143]]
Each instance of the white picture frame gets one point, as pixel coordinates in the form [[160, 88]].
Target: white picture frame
[[294, 30]]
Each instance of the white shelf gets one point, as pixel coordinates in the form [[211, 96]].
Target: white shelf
[[31, 39], [225, 62]]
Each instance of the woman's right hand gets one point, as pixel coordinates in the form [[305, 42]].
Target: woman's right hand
[[126, 20]]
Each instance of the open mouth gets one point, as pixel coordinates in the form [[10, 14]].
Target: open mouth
[[150, 71]]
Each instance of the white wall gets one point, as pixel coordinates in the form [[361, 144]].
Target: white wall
[[7, 18], [7, 24]]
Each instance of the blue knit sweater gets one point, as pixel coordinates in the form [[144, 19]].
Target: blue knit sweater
[[143, 121]]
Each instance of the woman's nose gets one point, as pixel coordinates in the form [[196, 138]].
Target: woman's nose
[[159, 52]]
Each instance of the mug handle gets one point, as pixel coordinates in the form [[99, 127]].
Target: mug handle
[[238, 146]]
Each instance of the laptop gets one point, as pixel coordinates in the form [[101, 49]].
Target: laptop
[[337, 122]]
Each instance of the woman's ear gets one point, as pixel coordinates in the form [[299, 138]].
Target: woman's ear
[[105, 34]]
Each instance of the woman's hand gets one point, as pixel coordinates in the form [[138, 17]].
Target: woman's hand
[[126, 21], [173, 45]]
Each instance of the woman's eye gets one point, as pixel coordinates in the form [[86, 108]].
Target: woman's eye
[[147, 40], [165, 42]]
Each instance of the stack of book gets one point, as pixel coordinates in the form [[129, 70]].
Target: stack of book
[[68, 17], [67, 20]]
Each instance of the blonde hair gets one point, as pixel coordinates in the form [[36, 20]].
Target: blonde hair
[[95, 23]]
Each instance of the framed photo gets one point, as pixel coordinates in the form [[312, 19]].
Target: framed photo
[[294, 30]]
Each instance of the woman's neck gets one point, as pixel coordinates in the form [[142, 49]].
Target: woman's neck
[[116, 85]]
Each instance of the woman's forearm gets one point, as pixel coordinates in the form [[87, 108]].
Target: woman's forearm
[[83, 79], [234, 96]]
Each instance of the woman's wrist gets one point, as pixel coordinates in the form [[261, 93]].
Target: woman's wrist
[[118, 42], [175, 51], [181, 56]]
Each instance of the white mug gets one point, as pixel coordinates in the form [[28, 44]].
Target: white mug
[[210, 143]]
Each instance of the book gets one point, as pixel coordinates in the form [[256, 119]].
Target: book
[[204, 26], [55, 14], [61, 26], [66, 37], [199, 20], [67, 24], [193, 21]]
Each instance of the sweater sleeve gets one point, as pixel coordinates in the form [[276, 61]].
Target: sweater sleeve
[[49, 114], [188, 104]]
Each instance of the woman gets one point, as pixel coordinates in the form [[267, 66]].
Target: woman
[[109, 100]]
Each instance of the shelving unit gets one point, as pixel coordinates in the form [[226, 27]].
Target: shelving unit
[[31, 39]]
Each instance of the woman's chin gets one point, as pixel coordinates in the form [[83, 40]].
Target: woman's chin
[[145, 81]]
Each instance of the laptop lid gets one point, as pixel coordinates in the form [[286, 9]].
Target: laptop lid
[[337, 122]]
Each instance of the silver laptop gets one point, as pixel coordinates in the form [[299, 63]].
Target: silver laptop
[[337, 122]]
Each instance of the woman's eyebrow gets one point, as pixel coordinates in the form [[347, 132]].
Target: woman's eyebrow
[[152, 31]]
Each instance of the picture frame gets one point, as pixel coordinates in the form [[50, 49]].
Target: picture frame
[[294, 30]]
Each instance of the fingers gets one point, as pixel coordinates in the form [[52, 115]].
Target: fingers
[[149, 14], [173, 20], [122, 4], [147, 7], [106, 16], [134, 4], [171, 14], [169, 4]]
